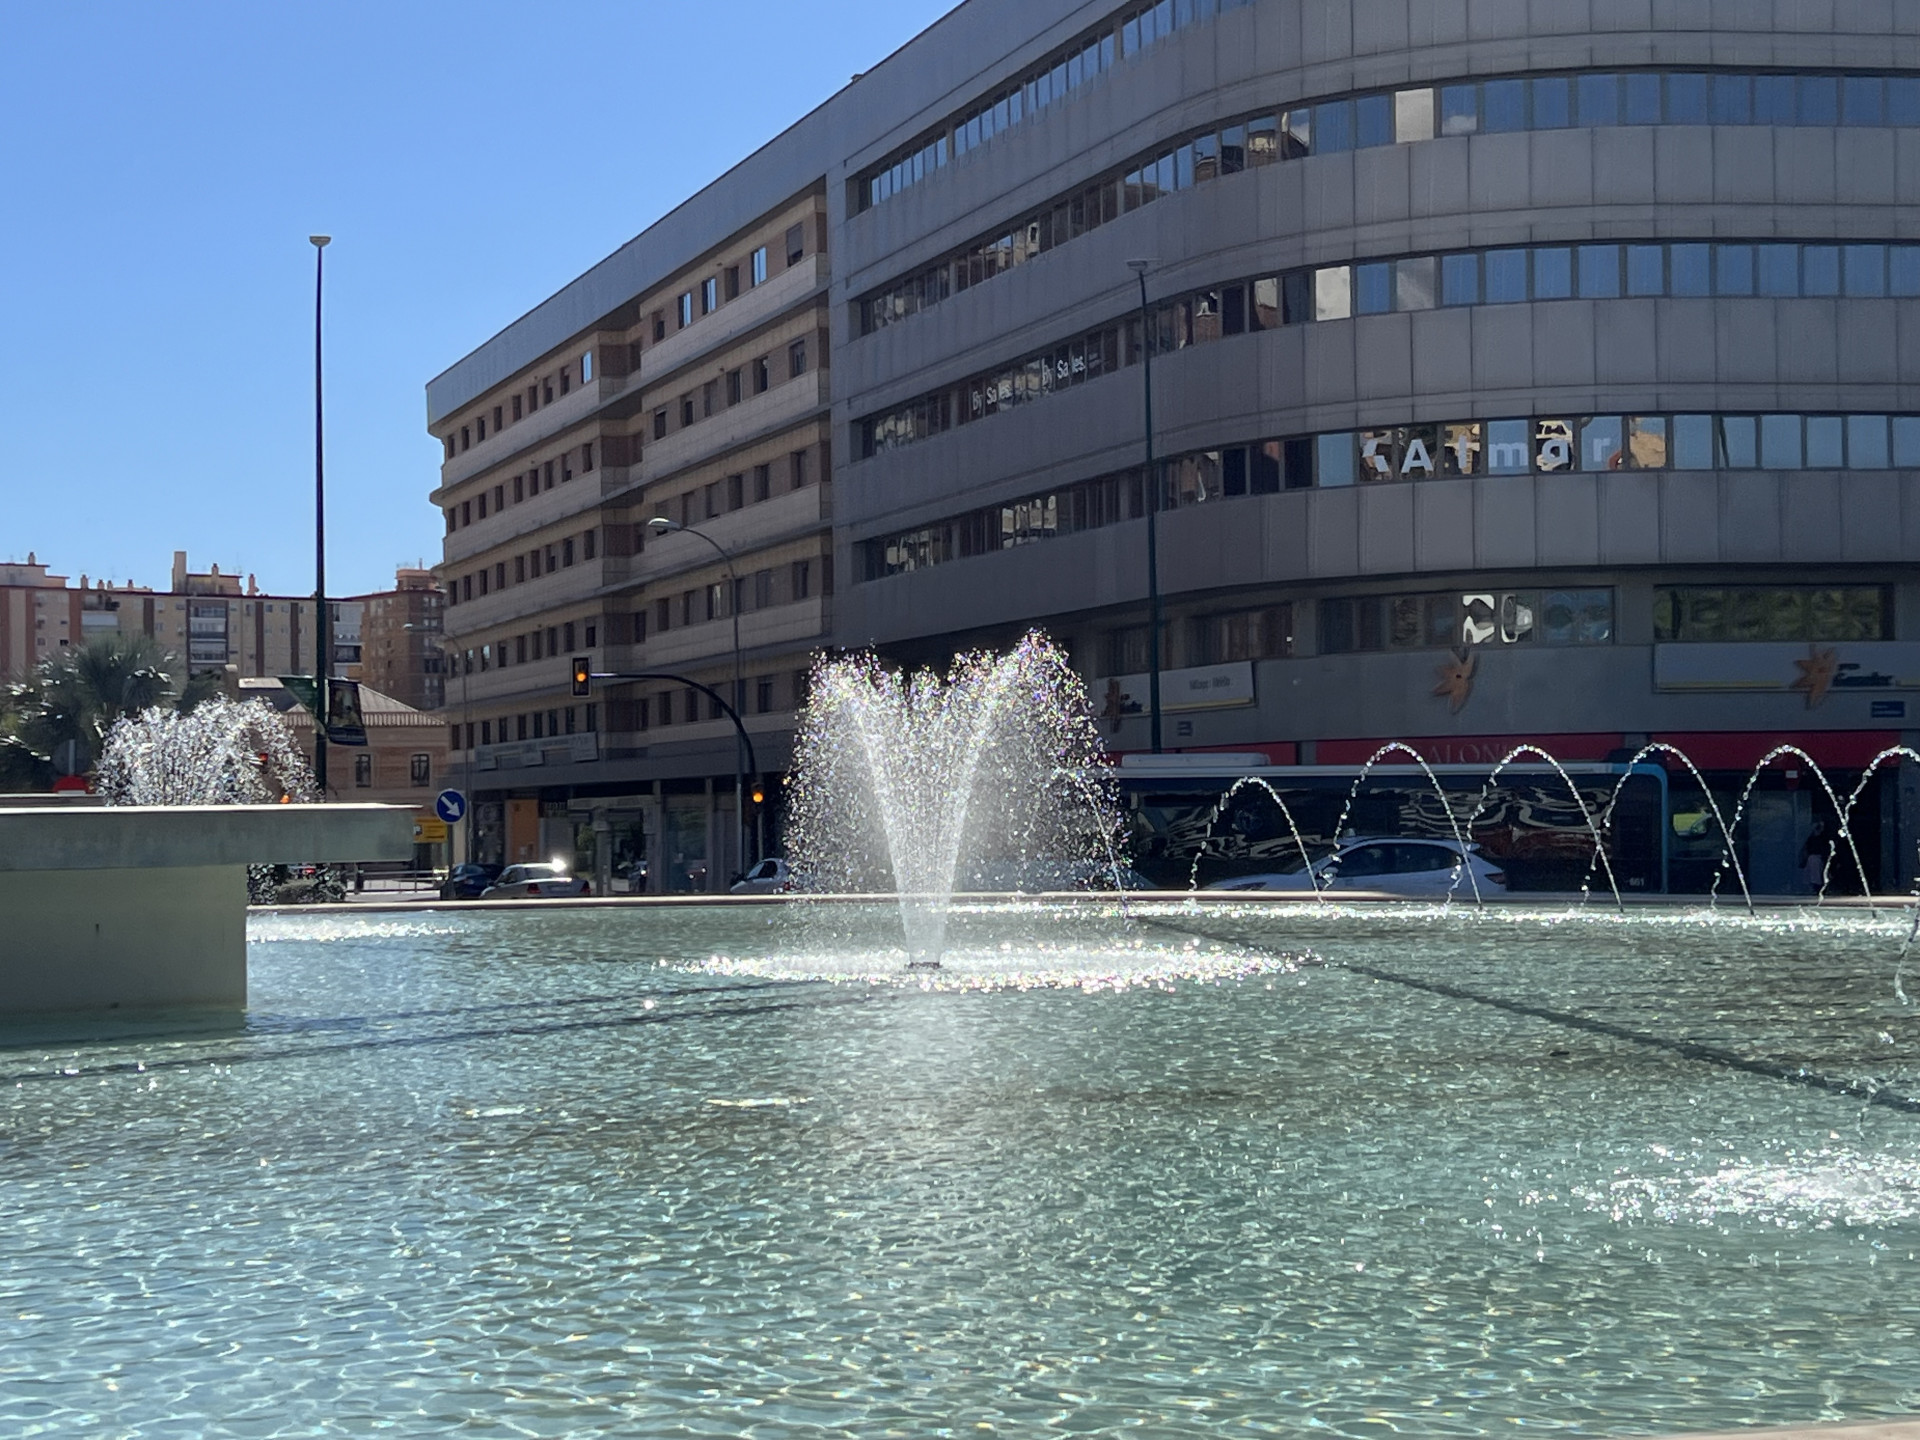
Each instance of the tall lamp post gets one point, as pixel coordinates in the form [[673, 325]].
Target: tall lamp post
[[662, 525], [1140, 268], [322, 617]]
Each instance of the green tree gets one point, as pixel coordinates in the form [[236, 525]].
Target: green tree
[[81, 693]]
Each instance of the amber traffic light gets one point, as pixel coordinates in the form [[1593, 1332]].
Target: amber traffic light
[[582, 676]]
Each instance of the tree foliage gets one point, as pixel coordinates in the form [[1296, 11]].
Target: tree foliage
[[79, 695]]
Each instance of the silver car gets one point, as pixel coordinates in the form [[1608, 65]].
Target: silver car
[[1422, 869], [535, 882]]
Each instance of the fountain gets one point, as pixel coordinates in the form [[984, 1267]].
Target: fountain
[[917, 786]]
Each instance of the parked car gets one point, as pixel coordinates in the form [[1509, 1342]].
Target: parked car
[[468, 881], [1428, 869], [769, 877], [535, 882]]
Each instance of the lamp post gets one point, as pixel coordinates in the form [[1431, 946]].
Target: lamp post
[[322, 617], [1140, 268], [660, 524]]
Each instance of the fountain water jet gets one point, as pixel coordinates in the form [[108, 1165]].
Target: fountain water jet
[[993, 778]]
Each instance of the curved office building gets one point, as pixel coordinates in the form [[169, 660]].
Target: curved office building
[[1519, 372]]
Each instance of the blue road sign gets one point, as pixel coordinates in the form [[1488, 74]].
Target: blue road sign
[[450, 806]]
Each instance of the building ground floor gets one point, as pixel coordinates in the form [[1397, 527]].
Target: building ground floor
[[1780, 709]]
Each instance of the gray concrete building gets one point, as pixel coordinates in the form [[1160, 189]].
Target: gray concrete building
[[1521, 372]]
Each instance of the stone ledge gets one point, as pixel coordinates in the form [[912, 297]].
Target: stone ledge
[[142, 837]]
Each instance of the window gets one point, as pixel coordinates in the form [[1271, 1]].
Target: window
[[802, 580], [1265, 634], [660, 424], [519, 488], [686, 411], [797, 470], [762, 482], [762, 375], [589, 544], [736, 386], [566, 380], [566, 552], [709, 295], [709, 399], [763, 695], [796, 244], [363, 771], [586, 457], [736, 491], [420, 771], [586, 369], [757, 267], [659, 326], [797, 359], [686, 309], [567, 632]]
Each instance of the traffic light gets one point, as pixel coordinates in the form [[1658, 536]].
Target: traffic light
[[582, 676], [759, 796]]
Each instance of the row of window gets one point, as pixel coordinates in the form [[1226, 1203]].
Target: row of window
[[567, 638], [1774, 612], [531, 725], [540, 560], [715, 290], [762, 590], [756, 377], [1079, 63], [518, 406], [524, 486], [1541, 445], [419, 771], [1454, 619], [1547, 102], [1506, 275], [736, 491], [1264, 633]]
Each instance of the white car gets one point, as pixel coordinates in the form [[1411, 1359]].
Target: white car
[[1425, 869], [769, 877], [535, 882]]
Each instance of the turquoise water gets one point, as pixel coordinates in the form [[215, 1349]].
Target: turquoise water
[[645, 1173]]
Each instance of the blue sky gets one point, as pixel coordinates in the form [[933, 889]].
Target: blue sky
[[163, 166]]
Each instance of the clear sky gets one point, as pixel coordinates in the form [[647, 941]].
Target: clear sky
[[161, 166]]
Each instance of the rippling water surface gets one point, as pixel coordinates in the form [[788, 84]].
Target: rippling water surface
[[1209, 1170]]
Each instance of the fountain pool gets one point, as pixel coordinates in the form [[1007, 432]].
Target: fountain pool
[[1213, 1169]]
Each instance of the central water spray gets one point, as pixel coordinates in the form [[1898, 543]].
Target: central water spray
[[991, 779]]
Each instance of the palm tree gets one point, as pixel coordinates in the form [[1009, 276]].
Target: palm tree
[[81, 693]]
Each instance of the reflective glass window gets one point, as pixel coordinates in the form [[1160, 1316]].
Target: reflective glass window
[[1333, 127], [1687, 100], [1335, 456], [1601, 443], [1903, 270], [1906, 441], [1509, 447], [1372, 288], [1646, 270], [1862, 100], [1780, 442], [1826, 442], [1819, 100], [1506, 276], [1552, 103], [1903, 100], [1373, 121], [1297, 133], [1459, 109], [1779, 269], [1820, 270], [1373, 292], [1737, 446], [1415, 284], [1552, 273], [1504, 105], [1412, 115], [1693, 442], [1599, 272], [1599, 97], [1732, 100], [1263, 142], [1773, 100], [1183, 159], [1867, 442], [1233, 149], [1647, 442], [1333, 292], [1866, 269], [1690, 270], [1554, 442], [1643, 99], [1733, 267], [1460, 280]]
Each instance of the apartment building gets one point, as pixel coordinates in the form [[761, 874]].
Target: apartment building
[[1520, 374]]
